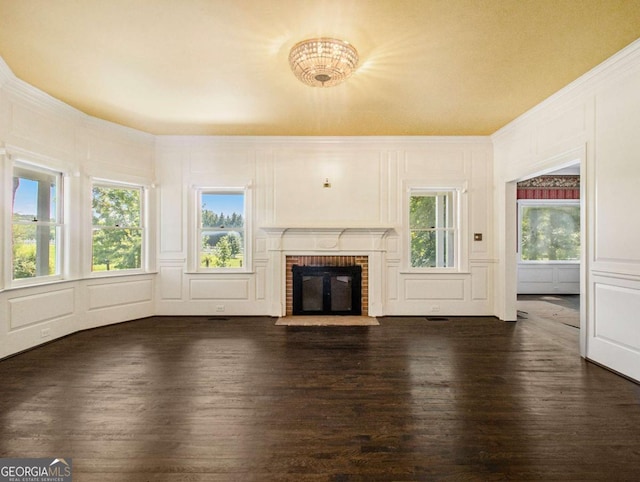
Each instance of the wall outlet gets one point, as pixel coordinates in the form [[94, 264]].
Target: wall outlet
[[435, 308], [220, 308], [45, 332]]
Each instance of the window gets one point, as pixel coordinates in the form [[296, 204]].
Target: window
[[118, 234], [549, 231], [432, 228], [36, 228], [221, 229]]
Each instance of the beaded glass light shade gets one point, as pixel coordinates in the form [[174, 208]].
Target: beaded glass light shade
[[323, 62]]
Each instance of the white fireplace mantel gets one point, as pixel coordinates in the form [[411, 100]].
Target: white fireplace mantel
[[326, 240], [310, 229], [321, 238]]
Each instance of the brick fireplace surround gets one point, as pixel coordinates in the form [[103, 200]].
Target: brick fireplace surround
[[362, 261]]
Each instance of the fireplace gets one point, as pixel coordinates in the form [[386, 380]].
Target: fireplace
[[327, 290], [322, 261], [362, 245]]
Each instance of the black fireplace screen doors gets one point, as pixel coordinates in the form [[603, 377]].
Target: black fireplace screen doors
[[327, 290]]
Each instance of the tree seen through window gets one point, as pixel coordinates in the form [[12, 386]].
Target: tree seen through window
[[36, 223], [117, 228], [550, 232], [222, 230], [432, 229]]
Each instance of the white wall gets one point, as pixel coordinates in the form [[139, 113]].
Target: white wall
[[368, 195], [449, 163], [369, 180], [365, 210], [39, 129], [595, 120]]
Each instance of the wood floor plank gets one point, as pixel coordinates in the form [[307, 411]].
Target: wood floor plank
[[194, 399]]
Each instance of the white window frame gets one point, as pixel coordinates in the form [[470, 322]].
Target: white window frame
[[59, 224], [527, 203], [197, 230], [459, 262], [109, 183]]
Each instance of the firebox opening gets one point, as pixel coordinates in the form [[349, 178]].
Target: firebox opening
[[327, 290]]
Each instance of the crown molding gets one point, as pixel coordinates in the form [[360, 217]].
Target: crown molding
[[32, 96], [6, 74], [389, 141], [620, 62], [135, 135]]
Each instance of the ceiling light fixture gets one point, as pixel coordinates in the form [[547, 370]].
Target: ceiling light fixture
[[323, 62]]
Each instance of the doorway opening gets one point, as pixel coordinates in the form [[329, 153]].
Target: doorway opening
[[549, 243]]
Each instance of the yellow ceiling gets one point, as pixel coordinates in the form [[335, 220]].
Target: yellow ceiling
[[428, 67]]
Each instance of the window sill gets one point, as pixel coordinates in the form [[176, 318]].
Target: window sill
[[542, 263], [34, 283], [434, 271], [118, 274], [220, 271], [60, 281]]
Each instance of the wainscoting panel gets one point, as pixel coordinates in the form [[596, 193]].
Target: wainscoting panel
[[416, 289], [171, 282], [37, 308], [479, 283], [219, 289], [558, 278], [261, 282], [616, 316], [535, 274], [118, 294], [613, 324], [392, 281], [569, 274]]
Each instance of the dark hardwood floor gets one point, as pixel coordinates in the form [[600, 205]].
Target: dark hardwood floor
[[198, 399], [559, 308]]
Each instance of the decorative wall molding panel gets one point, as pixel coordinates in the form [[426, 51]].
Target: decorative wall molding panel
[[558, 278], [118, 294], [41, 307]]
